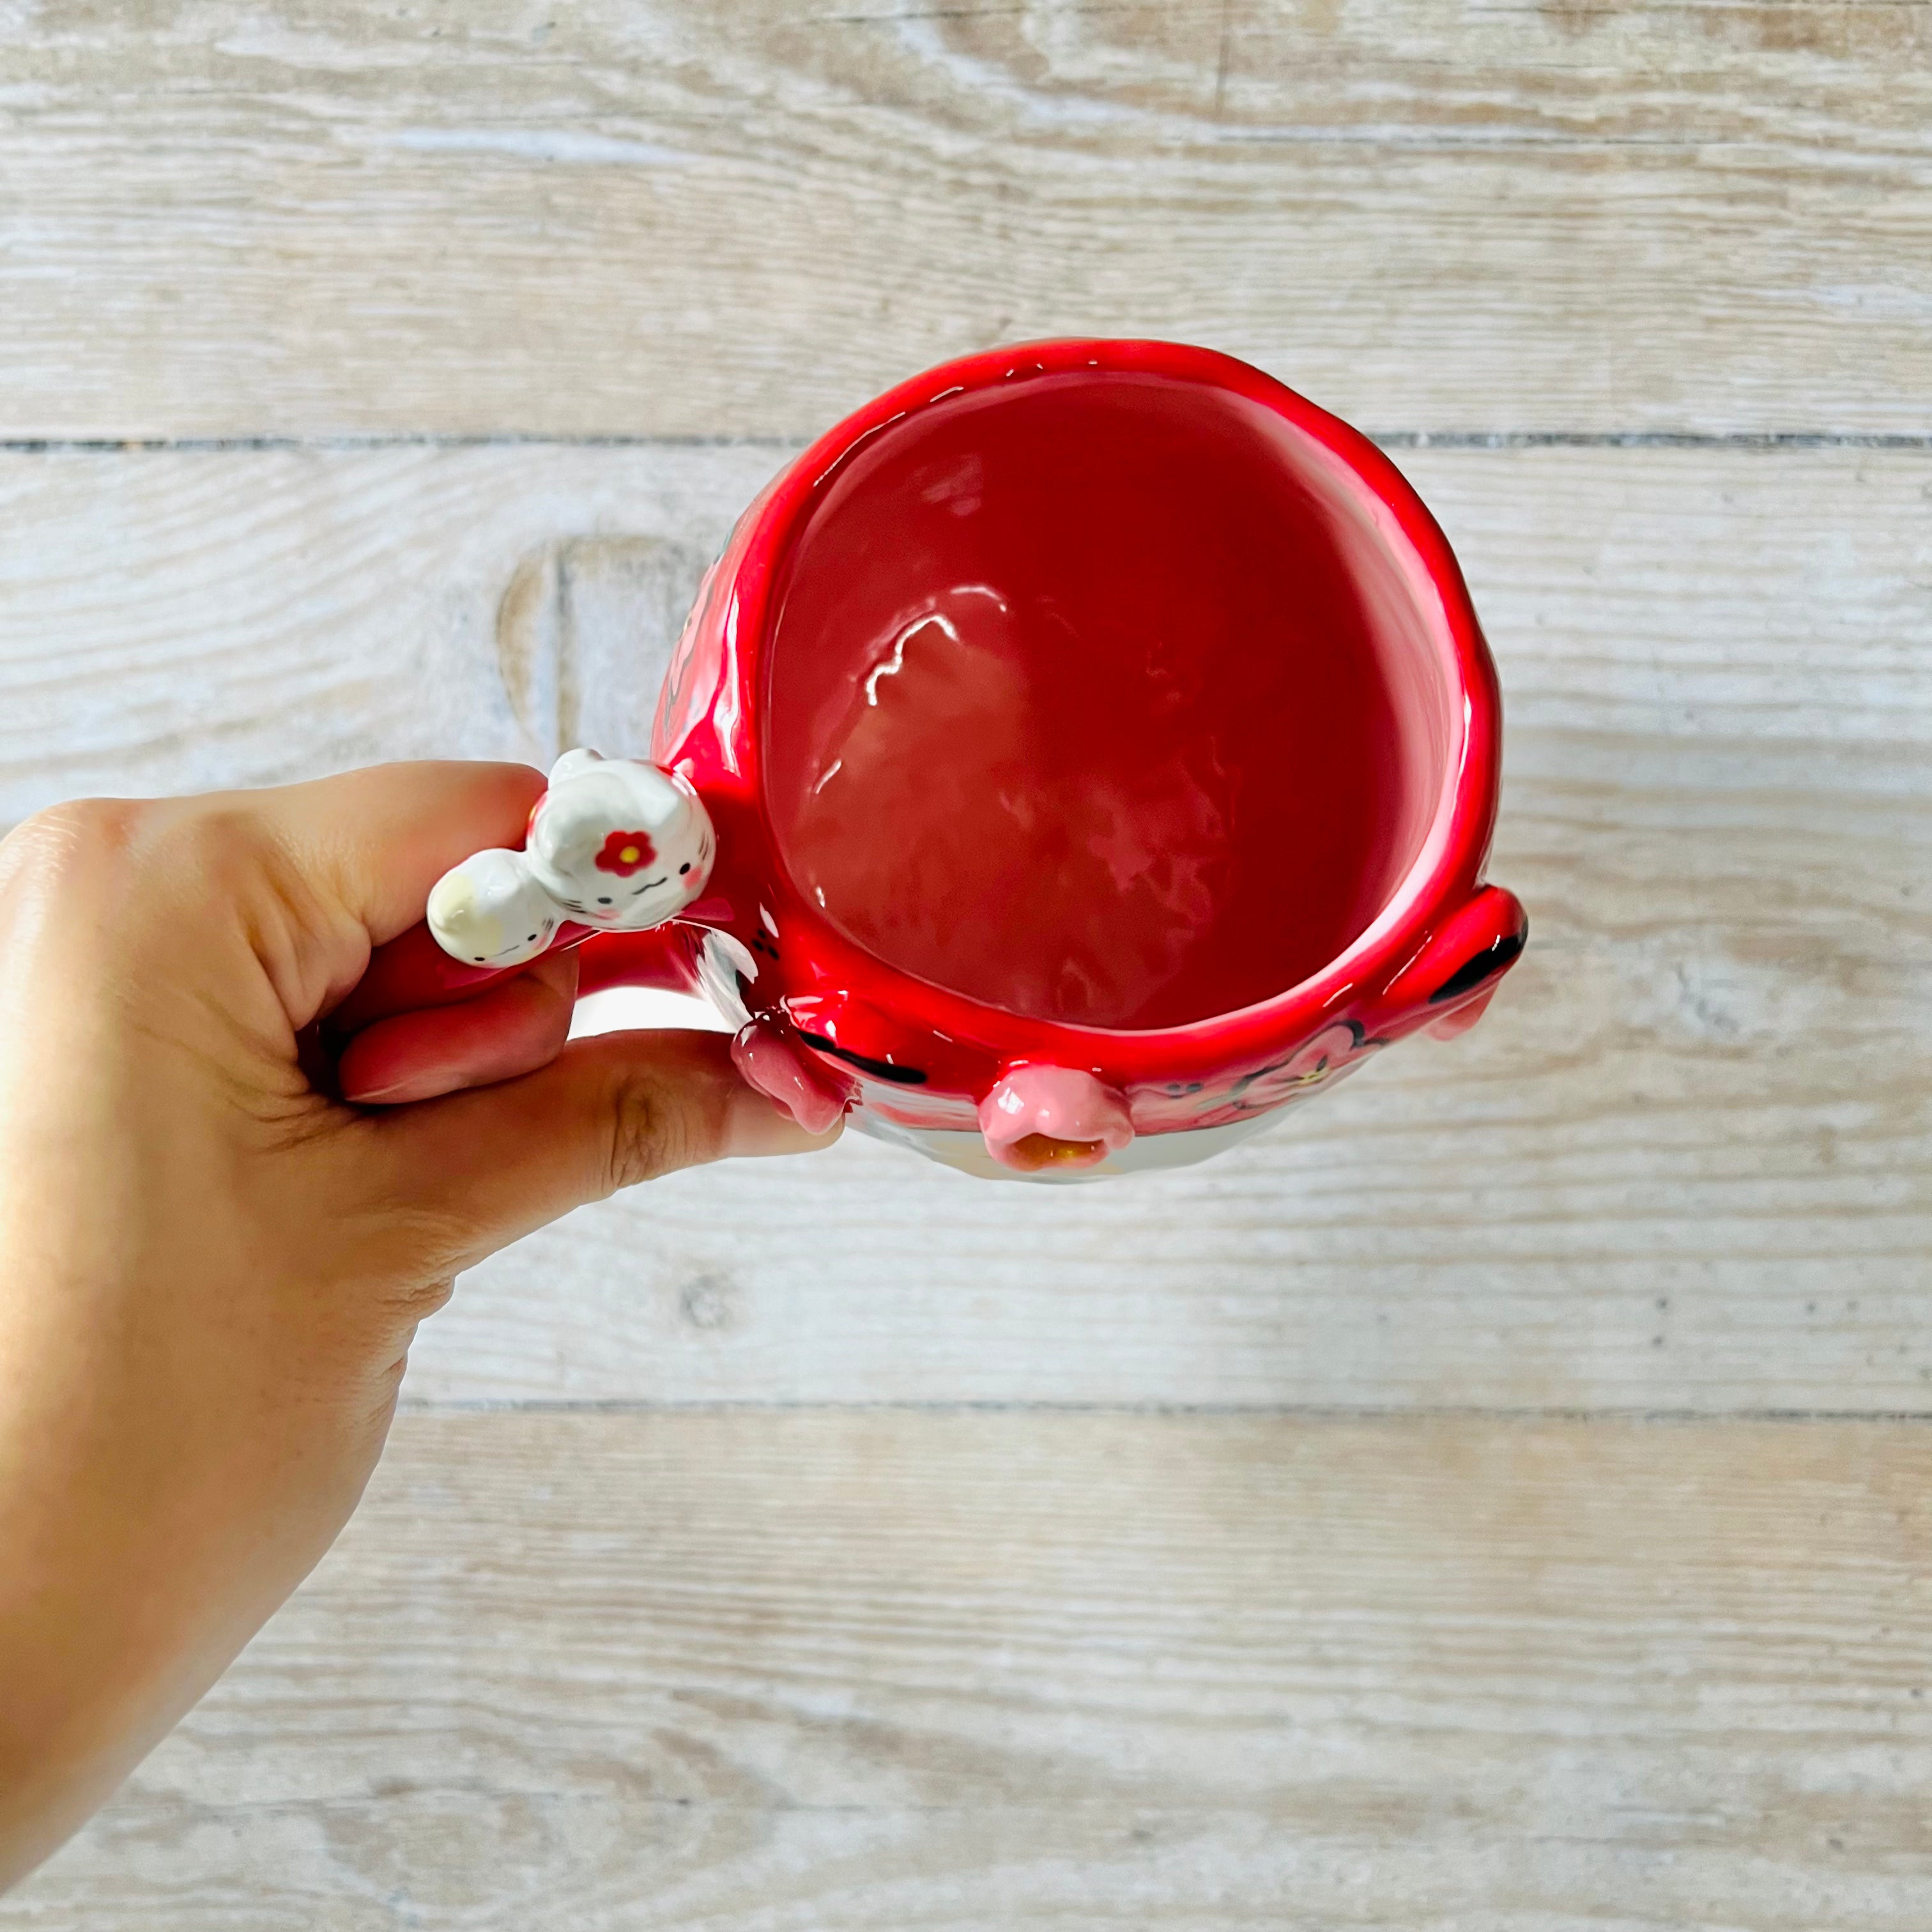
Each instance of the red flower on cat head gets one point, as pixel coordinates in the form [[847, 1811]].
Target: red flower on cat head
[[625, 852]]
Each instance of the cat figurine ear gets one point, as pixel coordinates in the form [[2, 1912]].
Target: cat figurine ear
[[614, 844]]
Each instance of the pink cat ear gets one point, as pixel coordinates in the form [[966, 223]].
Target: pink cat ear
[[1467, 953], [785, 1073]]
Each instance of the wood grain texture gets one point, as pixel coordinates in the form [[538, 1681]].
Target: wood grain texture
[[584, 636], [1099, 1662], [891, 1669], [1687, 1162], [169, 622], [675, 217]]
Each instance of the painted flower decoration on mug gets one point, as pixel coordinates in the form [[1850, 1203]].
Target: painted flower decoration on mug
[[1335, 1050], [625, 852]]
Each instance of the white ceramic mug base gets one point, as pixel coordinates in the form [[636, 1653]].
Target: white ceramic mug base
[[1146, 1153]]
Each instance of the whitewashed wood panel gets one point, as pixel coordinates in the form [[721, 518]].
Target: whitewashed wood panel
[[169, 621], [1687, 1162], [752, 1672], [678, 216]]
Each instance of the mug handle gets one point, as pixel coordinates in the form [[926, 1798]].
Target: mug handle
[[411, 972], [591, 804]]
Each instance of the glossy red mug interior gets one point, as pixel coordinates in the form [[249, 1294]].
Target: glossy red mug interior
[[1102, 751]]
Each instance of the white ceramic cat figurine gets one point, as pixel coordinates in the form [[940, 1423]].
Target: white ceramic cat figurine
[[614, 843]]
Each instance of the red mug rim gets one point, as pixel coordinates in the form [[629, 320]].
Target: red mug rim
[[1444, 876]]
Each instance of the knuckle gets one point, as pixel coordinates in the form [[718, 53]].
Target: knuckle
[[220, 854], [82, 835], [656, 1127], [215, 851], [410, 1302], [180, 846], [642, 1133], [131, 868], [423, 1249]]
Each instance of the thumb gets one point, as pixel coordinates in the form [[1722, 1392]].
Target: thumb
[[471, 1172]]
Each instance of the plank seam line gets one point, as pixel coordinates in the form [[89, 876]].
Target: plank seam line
[[222, 445], [1419, 439], [1260, 1411]]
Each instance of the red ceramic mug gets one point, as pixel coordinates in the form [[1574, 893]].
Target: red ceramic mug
[[1080, 755]]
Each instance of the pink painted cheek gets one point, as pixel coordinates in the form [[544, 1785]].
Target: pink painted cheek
[[1459, 1019]]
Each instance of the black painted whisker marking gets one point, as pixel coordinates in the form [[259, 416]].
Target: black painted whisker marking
[[1486, 964], [879, 1070]]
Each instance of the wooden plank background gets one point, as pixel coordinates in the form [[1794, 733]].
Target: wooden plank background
[[1495, 1500], [686, 217], [1032, 1670]]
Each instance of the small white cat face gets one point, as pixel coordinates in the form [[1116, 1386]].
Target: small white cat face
[[619, 843], [614, 843], [489, 912]]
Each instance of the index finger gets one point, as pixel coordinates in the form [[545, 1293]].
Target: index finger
[[375, 841], [364, 849]]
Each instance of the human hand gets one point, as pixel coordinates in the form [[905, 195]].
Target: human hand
[[211, 1271]]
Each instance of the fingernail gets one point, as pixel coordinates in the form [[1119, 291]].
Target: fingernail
[[426, 1083], [398, 1092]]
